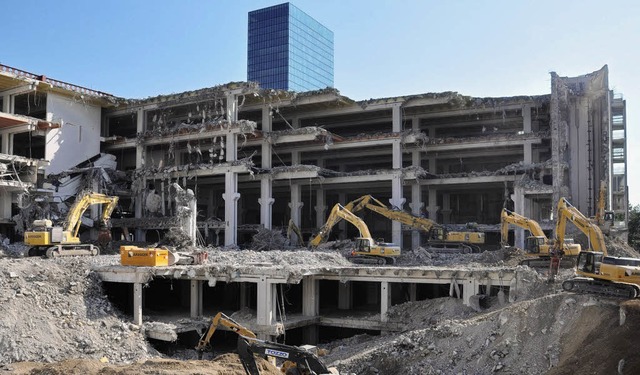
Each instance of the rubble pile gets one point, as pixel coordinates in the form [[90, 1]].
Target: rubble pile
[[545, 335], [54, 309]]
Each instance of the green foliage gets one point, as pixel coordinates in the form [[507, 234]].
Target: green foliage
[[634, 226]]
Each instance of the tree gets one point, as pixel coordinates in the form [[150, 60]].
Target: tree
[[634, 226]]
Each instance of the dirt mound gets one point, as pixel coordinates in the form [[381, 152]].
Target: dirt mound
[[54, 309], [228, 364], [528, 337], [604, 340]]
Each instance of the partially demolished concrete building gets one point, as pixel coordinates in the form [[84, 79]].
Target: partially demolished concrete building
[[256, 158]]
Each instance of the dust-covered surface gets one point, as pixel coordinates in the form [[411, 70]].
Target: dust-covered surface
[[550, 334], [54, 309]]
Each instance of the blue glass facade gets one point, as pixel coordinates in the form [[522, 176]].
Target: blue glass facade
[[289, 50]]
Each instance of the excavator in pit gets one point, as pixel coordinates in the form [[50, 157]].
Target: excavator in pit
[[296, 360], [538, 247], [439, 239], [54, 241], [596, 271], [367, 250]]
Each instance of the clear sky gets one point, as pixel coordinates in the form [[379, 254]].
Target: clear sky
[[138, 49]]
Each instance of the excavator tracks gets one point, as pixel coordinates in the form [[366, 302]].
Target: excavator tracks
[[603, 288], [368, 259]]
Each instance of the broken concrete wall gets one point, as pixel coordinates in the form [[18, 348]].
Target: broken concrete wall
[[78, 138], [580, 136]]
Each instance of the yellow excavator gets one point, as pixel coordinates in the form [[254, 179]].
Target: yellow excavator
[[537, 246], [367, 250], [297, 360], [439, 239], [596, 272], [54, 241]]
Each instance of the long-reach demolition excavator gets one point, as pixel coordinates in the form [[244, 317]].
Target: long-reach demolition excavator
[[439, 239], [54, 241], [537, 246], [297, 360], [367, 250], [596, 272]]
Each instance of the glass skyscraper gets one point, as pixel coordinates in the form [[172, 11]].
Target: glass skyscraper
[[289, 50]]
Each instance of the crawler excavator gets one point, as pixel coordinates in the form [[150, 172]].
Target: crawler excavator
[[596, 272], [537, 246], [54, 241], [367, 250], [297, 360], [439, 239]]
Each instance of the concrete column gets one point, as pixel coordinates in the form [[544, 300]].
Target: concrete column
[[196, 298], [231, 197], [5, 143], [310, 307], [296, 205], [396, 124], [528, 152], [137, 304], [140, 163], [321, 207], [232, 107], [345, 301], [266, 202], [413, 292], [310, 297], [396, 201], [416, 209], [231, 152], [385, 300], [6, 104], [5, 204], [342, 225], [295, 123], [244, 295], [265, 305], [446, 208], [295, 158], [526, 118], [433, 208], [519, 207]]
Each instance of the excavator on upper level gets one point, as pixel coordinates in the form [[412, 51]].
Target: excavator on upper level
[[54, 241], [596, 271], [297, 360], [439, 239], [537, 246], [367, 250]]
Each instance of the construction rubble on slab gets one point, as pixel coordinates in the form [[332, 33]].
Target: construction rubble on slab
[[370, 229]]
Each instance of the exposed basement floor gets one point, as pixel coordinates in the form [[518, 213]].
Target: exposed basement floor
[[322, 289]]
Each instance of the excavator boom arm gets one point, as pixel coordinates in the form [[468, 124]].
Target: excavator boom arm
[[221, 319], [76, 211], [567, 212], [339, 212], [509, 217]]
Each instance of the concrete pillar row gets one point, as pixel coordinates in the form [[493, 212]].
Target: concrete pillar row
[[231, 197]]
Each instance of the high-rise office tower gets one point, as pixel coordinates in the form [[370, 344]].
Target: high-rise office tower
[[289, 50]]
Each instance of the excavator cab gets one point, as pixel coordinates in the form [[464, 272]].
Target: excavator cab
[[532, 244], [589, 263]]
